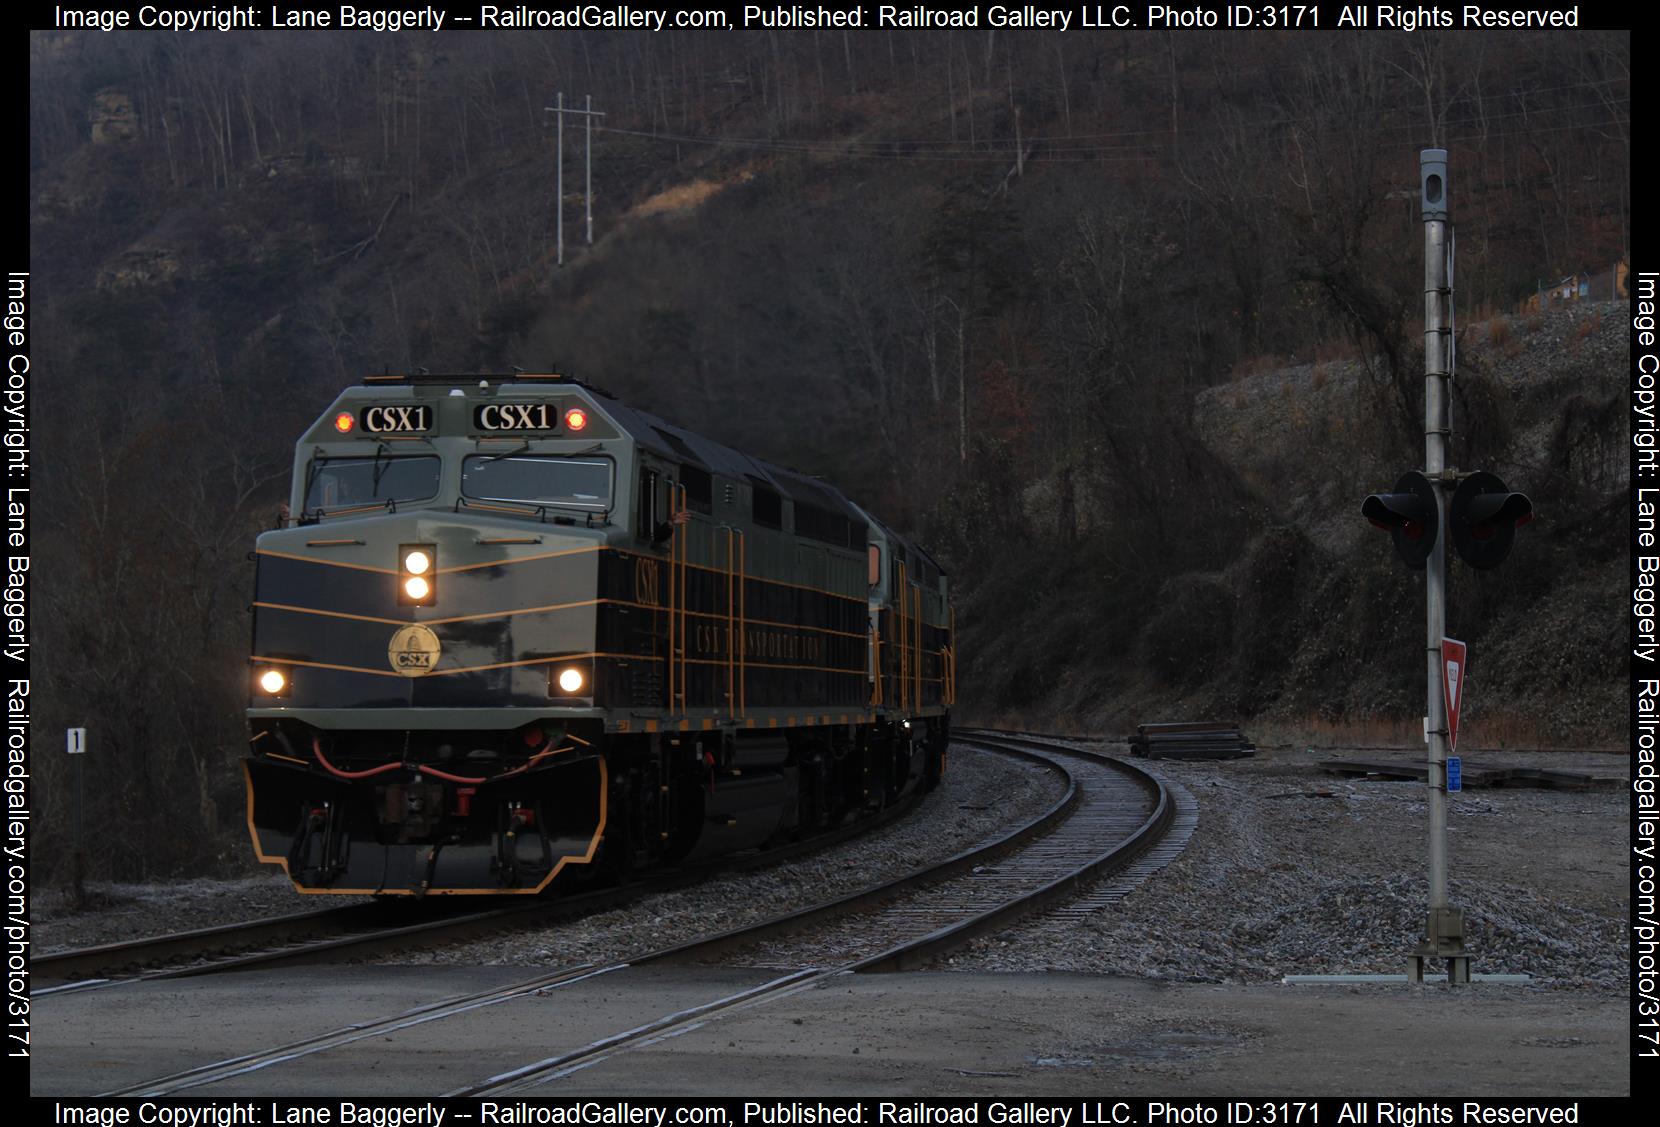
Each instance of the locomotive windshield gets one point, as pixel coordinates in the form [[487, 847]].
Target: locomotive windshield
[[578, 483], [344, 483]]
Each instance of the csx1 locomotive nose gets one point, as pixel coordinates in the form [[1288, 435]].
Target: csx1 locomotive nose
[[416, 654], [352, 625]]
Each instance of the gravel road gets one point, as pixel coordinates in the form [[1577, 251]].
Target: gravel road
[[1294, 871]]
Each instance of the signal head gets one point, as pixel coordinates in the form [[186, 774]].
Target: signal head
[[1483, 519], [1410, 513]]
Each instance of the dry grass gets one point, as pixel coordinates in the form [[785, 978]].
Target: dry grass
[[1256, 366], [681, 197], [1498, 332], [1319, 379]]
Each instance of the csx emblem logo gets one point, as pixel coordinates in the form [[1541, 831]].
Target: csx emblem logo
[[413, 651], [380, 420], [515, 416]]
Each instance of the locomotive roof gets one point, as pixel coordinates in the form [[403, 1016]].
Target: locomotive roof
[[681, 445], [675, 443]]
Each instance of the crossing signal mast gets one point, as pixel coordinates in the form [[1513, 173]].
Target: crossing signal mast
[[1480, 518]]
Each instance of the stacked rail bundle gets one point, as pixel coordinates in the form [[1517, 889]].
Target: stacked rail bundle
[[1194, 740]]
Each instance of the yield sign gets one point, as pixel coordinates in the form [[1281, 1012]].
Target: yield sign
[[1453, 667]]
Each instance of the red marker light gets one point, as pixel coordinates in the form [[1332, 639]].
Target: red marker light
[[344, 422], [576, 418]]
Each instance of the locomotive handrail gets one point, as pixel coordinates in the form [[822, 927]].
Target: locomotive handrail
[[876, 656], [736, 620], [902, 612], [731, 679], [918, 630], [743, 622], [677, 599]]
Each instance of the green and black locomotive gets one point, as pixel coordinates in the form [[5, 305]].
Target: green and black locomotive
[[510, 626]]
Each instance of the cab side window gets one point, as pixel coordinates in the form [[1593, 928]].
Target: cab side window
[[646, 515]]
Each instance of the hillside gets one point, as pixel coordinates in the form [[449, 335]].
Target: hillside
[[1031, 297], [1314, 628]]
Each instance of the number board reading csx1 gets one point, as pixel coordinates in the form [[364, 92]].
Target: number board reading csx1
[[516, 416], [397, 420]]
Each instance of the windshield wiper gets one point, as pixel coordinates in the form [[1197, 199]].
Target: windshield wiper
[[519, 449], [377, 469]]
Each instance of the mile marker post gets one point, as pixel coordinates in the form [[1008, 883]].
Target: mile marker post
[[76, 744]]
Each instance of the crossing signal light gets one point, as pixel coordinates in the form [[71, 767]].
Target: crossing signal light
[[1410, 514], [1484, 518]]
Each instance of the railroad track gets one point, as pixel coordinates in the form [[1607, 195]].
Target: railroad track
[[1108, 891], [368, 929], [226, 947], [1109, 814]]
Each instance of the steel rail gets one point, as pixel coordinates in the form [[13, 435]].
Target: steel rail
[[218, 1071], [1046, 855], [366, 931], [1057, 863]]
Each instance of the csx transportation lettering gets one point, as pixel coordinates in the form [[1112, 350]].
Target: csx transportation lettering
[[515, 416], [380, 420]]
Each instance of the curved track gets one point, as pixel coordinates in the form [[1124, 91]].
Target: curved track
[[1110, 813], [365, 929]]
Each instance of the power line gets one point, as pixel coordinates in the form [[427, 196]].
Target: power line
[[588, 113], [1001, 149]]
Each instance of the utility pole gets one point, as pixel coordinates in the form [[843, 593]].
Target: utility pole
[[559, 183], [588, 114], [588, 164]]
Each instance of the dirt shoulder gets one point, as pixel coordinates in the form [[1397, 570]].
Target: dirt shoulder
[[1295, 871], [1092, 1035]]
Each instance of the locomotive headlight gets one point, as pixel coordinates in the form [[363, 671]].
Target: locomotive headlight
[[272, 682], [571, 680], [417, 575]]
